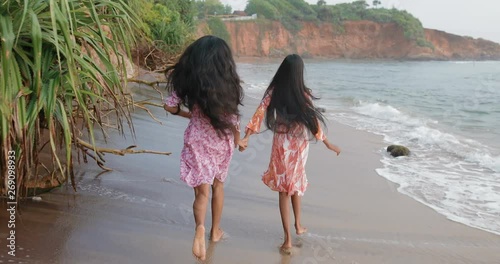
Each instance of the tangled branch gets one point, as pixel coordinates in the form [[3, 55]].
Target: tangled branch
[[99, 152]]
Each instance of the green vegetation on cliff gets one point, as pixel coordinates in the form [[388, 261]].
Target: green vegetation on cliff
[[218, 28], [291, 13], [208, 8], [209, 11], [169, 23]]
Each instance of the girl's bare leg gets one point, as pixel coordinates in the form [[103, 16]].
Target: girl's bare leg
[[285, 219], [296, 200], [200, 210], [216, 232]]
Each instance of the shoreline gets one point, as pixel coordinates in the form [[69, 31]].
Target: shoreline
[[141, 212], [419, 200]]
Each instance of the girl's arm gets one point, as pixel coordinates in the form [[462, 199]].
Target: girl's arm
[[243, 143], [320, 135], [236, 134], [331, 146], [172, 104], [254, 124], [248, 133], [177, 111]]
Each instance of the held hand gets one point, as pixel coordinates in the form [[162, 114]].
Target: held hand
[[242, 144]]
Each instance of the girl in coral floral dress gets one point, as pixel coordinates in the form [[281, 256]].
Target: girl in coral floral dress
[[205, 81], [289, 112]]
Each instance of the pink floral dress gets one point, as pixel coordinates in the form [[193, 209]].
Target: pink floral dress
[[205, 155], [286, 171]]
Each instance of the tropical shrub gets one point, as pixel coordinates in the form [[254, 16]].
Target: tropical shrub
[[62, 68], [169, 23]]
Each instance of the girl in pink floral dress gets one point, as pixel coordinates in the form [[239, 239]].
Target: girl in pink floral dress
[[205, 81], [289, 112]]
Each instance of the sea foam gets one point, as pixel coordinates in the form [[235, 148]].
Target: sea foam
[[456, 176]]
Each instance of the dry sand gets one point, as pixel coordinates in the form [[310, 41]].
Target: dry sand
[[141, 212]]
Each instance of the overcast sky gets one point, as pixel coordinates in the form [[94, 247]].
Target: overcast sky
[[479, 18]]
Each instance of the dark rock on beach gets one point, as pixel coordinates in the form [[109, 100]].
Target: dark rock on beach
[[397, 150]]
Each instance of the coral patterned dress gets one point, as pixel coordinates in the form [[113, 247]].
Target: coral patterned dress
[[286, 172], [205, 155]]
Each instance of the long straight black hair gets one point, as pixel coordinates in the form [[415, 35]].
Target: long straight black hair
[[291, 101], [206, 76]]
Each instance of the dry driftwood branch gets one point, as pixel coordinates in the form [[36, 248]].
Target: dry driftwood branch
[[149, 112], [155, 85], [149, 103], [121, 152], [152, 84], [147, 56], [142, 104], [99, 157], [100, 162]]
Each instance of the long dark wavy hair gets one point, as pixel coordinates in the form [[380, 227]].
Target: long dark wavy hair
[[291, 101], [206, 76]]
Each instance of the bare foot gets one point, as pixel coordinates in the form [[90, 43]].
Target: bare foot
[[286, 248], [216, 235], [300, 230], [199, 250]]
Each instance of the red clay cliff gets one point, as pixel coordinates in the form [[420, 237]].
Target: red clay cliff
[[359, 40]]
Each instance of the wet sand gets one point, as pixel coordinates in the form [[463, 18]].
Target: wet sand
[[141, 212]]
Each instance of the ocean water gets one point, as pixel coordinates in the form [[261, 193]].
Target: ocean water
[[447, 113]]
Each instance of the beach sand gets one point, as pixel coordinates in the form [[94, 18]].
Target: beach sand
[[142, 213]]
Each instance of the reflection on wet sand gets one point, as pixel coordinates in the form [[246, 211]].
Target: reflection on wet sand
[[42, 228], [211, 252], [286, 259]]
